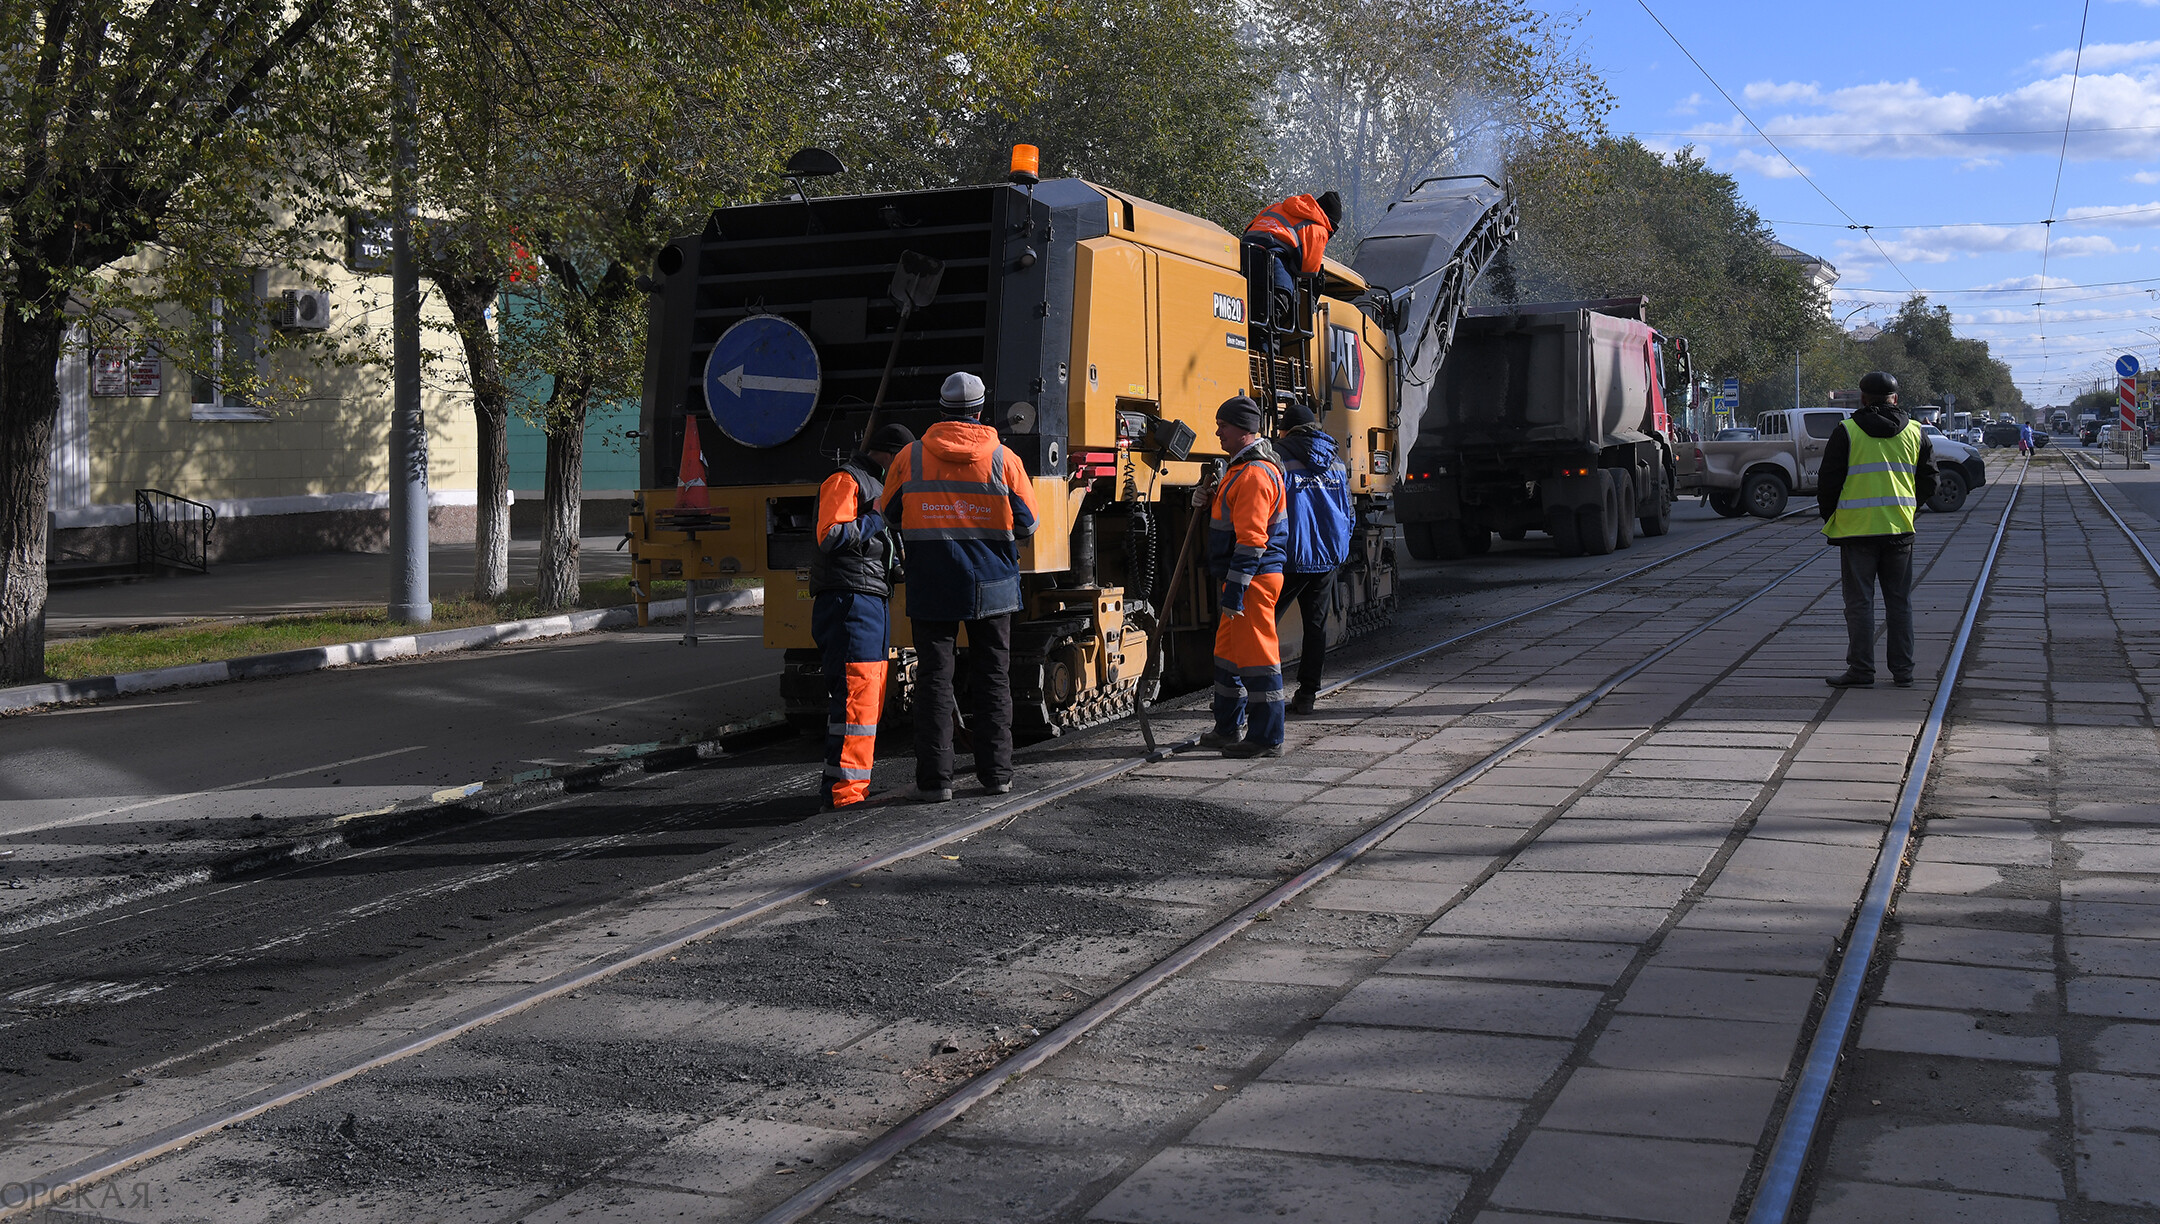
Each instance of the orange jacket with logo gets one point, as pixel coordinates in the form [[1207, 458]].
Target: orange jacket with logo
[[1299, 224], [1249, 523], [963, 503]]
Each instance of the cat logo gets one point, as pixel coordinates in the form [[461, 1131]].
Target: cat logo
[[1346, 361], [1230, 306]]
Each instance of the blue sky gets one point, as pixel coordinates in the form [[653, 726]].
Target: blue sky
[[1943, 119]]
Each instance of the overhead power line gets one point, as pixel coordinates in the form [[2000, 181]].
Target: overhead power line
[[1722, 92], [2077, 66], [1702, 135], [2019, 289], [2101, 216]]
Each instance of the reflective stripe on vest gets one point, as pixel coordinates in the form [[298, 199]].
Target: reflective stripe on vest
[[942, 508], [1880, 496]]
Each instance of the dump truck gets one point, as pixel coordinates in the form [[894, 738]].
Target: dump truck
[[1544, 416], [1761, 475], [1107, 329]]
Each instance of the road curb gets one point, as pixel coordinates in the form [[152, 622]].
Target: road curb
[[334, 835], [375, 650]]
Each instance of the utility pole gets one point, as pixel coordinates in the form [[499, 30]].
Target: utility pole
[[409, 602]]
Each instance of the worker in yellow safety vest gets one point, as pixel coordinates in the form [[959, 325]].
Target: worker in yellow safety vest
[[1877, 470]]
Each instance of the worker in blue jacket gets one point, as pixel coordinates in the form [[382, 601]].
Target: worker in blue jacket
[[1321, 518]]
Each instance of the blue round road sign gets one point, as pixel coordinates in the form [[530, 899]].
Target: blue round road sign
[[2126, 366], [761, 381]]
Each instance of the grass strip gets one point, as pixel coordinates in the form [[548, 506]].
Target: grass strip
[[205, 641]]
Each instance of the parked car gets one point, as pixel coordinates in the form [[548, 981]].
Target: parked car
[[1738, 433], [1757, 476], [2001, 433], [2088, 433], [2040, 438]]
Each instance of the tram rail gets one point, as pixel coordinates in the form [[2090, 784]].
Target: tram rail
[[181, 1134]]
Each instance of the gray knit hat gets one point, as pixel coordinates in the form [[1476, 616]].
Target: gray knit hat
[[1241, 411], [962, 395]]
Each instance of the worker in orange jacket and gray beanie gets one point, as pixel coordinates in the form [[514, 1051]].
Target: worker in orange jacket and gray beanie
[[1248, 539], [1295, 233]]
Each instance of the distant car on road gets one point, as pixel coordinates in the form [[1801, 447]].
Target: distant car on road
[[2001, 433], [2088, 433], [1738, 433]]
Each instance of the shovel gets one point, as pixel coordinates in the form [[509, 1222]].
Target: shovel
[[1158, 631], [914, 284]]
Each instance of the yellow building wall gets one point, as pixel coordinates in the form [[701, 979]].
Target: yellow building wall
[[334, 438]]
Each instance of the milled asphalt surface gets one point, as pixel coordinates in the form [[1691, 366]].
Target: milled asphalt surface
[[1571, 989]]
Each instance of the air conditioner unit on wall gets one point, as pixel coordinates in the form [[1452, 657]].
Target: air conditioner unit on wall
[[304, 310]]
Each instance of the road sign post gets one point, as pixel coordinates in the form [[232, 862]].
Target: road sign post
[[2133, 438]]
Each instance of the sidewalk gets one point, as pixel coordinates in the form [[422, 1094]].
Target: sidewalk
[[285, 586]]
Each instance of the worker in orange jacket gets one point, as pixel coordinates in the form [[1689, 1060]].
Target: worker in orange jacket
[[1295, 233], [962, 502], [851, 580], [1248, 540]]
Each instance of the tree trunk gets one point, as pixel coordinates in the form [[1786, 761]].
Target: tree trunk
[[491, 537], [561, 521], [29, 400], [469, 300]]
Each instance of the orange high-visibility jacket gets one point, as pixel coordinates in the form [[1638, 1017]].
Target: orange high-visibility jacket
[[1298, 224], [1249, 524], [963, 503]]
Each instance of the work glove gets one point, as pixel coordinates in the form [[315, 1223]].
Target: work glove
[[1232, 599]]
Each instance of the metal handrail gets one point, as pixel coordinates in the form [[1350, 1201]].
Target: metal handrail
[[172, 530]]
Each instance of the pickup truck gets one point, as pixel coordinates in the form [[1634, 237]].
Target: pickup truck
[[1759, 477]]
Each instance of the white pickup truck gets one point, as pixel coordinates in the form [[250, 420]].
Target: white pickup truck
[[1759, 476]]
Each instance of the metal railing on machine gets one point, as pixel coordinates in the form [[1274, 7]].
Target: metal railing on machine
[[172, 530]]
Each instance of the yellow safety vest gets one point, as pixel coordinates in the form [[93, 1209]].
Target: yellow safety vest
[[1880, 497]]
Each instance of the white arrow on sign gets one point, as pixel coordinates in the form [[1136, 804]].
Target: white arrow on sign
[[738, 382]]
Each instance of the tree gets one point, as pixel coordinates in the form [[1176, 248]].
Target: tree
[[1372, 97], [124, 125], [1610, 218]]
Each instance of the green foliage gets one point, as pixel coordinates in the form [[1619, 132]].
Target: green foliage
[[1612, 218], [1918, 348]]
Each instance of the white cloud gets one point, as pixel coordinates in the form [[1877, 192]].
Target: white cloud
[[1777, 93], [1688, 105], [1905, 119], [1943, 244], [1769, 165], [2101, 56], [2114, 216], [2146, 176]]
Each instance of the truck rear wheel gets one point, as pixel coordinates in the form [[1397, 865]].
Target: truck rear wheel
[[1659, 521], [1623, 509], [1594, 523], [1560, 525], [1418, 538], [1764, 494], [1476, 541], [1727, 503], [1512, 534]]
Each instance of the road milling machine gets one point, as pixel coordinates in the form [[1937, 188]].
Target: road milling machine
[[1107, 330]]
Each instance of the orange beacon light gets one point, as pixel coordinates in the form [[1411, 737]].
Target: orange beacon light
[[1026, 165]]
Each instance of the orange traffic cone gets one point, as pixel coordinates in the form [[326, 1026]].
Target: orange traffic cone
[[690, 473]]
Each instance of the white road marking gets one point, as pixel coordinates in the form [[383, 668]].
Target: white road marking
[[109, 708], [212, 790], [655, 697]]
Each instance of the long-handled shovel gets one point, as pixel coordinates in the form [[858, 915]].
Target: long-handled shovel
[[1160, 634], [914, 286]]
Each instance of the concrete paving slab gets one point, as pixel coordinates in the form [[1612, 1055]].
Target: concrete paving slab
[[1478, 1006], [1854, 1202], [1953, 1034], [2108, 918], [1478, 915], [1460, 1064], [1610, 1101], [1698, 1047], [1365, 1123], [1251, 960], [2120, 997], [1624, 1176], [1186, 1185], [1523, 960], [1745, 951], [1750, 914], [1918, 983], [1965, 946], [2004, 1160], [1662, 990], [2119, 1167]]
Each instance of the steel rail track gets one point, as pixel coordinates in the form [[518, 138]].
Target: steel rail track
[[2132, 536], [1057, 1040], [171, 1138], [1788, 1157]]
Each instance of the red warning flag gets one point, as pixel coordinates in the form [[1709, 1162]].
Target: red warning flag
[[690, 473]]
